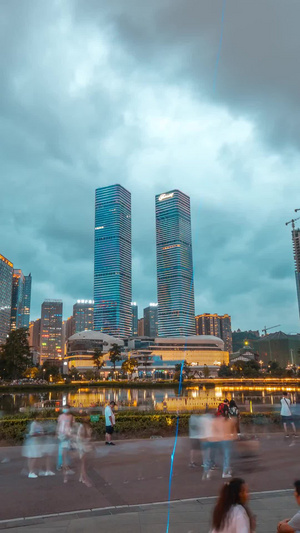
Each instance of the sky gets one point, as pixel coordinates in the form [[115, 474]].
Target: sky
[[148, 95]]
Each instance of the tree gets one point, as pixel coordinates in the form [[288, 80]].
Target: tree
[[15, 356], [49, 370], [31, 373], [225, 371], [89, 375], [275, 370], [98, 359], [129, 366], [185, 370], [115, 355]]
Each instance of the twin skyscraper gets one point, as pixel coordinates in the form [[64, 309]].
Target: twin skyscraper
[[113, 263]]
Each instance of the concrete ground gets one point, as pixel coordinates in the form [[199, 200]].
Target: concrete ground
[[135, 473]]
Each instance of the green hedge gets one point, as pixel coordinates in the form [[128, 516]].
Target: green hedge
[[13, 429]]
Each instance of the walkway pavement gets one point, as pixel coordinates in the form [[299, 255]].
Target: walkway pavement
[[185, 517], [135, 473]]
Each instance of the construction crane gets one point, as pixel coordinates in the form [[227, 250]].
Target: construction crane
[[293, 221], [267, 329]]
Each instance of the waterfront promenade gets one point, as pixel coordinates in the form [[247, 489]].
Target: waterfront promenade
[[135, 473]]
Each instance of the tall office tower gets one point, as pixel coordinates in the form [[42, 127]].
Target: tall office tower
[[217, 325], [17, 298], [51, 330], [151, 320], [35, 334], [296, 247], [141, 329], [112, 265], [83, 315], [208, 324], [175, 283], [6, 277], [134, 319], [26, 302]]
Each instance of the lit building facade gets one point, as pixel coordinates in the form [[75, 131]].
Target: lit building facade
[[112, 261], [68, 329], [6, 277], [17, 295], [151, 320], [175, 283], [83, 315], [217, 325], [20, 300], [134, 319], [51, 330], [26, 302], [35, 334]]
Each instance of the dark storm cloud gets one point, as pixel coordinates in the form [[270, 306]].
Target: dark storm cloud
[[95, 93]]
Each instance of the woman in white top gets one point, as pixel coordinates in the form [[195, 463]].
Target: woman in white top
[[231, 514]]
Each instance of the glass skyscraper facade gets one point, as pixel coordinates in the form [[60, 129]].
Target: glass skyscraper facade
[[151, 320], [51, 330], [175, 283], [6, 276], [134, 319], [20, 300], [26, 302], [17, 299], [112, 261], [83, 315]]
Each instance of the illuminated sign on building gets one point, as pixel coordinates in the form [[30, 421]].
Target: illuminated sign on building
[[165, 196]]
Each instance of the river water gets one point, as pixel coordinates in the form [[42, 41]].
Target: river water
[[193, 398]]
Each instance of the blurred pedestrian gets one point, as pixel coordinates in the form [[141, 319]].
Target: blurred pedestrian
[[109, 423], [64, 433], [231, 514], [195, 435], [49, 446], [223, 408], [32, 447], [84, 447]]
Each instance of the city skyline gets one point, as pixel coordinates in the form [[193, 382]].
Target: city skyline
[[124, 97]]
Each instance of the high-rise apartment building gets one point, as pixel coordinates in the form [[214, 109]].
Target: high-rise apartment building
[[175, 282], [217, 325], [83, 315], [112, 265], [26, 302], [68, 329], [296, 247], [35, 334], [6, 276], [208, 324], [151, 320], [134, 319], [51, 330]]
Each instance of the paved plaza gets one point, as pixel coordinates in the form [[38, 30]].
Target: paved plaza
[[130, 479]]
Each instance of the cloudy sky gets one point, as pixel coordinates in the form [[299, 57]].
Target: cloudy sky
[[96, 92]]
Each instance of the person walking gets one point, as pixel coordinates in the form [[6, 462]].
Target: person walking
[[286, 414], [32, 448], [64, 431], [109, 423], [231, 514], [84, 447]]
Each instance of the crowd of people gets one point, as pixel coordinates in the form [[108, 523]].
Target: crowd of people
[[45, 439]]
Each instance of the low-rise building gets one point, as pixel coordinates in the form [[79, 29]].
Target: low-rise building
[[81, 347]]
